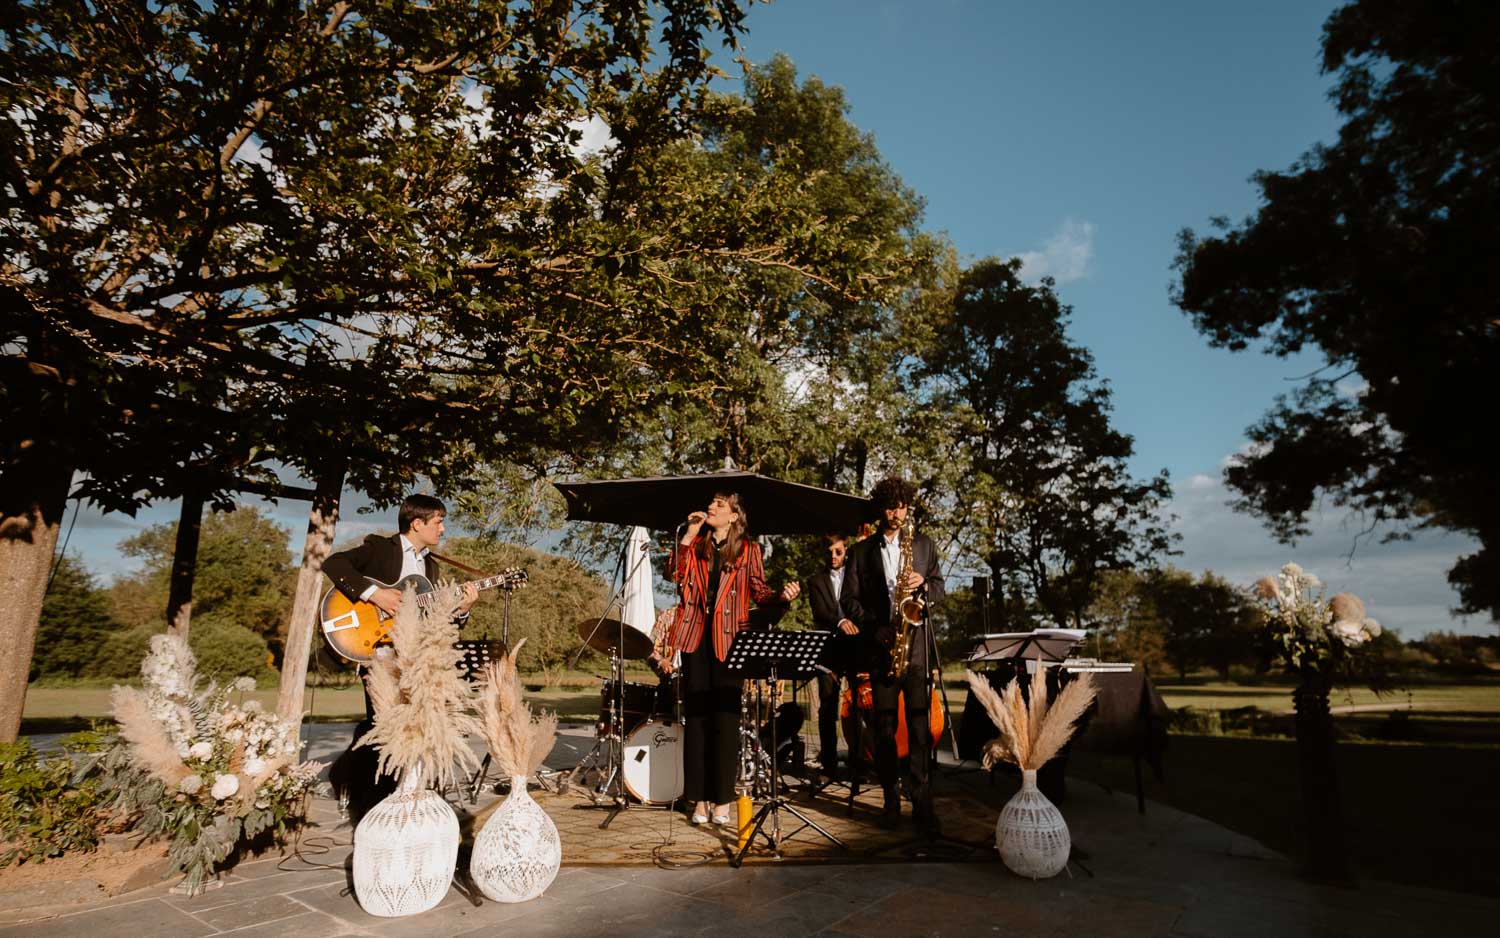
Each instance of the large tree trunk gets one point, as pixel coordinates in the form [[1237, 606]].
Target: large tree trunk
[[185, 563], [33, 497], [1327, 857], [322, 522]]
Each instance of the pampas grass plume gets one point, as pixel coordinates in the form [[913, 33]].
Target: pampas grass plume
[[519, 741], [426, 701], [149, 744], [1057, 728], [1031, 736]]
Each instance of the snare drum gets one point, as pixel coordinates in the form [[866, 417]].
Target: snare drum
[[641, 702], [653, 762]]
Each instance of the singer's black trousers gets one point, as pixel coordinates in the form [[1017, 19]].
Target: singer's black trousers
[[711, 738]]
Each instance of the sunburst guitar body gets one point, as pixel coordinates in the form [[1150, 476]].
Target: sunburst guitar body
[[353, 627]]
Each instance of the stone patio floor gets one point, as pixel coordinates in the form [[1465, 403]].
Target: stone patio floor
[[1161, 873]]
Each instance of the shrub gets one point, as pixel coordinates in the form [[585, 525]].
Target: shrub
[[226, 650], [44, 812]]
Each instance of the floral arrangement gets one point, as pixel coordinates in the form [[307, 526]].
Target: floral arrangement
[[1031, 733], [192, 763], [422, 703], [519, 740], [1307, 632]]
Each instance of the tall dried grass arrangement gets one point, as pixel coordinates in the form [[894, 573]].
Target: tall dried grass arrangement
[[149, 744], [1031, 736], [519, 740], [421, 700]]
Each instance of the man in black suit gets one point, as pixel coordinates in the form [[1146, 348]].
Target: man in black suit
[[826, 593], [873, 565], [420, 523]]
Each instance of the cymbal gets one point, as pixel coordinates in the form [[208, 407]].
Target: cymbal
[[602, 635]]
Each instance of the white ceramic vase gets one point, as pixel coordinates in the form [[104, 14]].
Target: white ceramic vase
[[405, 850], [517, 852], [1031, 835]]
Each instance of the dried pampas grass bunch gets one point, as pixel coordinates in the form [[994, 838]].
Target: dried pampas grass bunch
[[421, 700], [1031, 735], [519, 740]]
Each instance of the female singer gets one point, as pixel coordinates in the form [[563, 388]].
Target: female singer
[[719, 572]]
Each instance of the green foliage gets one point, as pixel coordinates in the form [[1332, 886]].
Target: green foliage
[[1374, 251], [76, 624], [1032, 478], [558, 594], [44, 811], [226, 650], [244, 572], [120, 655]]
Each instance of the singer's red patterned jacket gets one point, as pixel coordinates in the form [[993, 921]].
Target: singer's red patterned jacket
[[740, 583]]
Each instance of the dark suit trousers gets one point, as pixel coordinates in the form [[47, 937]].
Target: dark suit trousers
[[918, 736], [711, 738]]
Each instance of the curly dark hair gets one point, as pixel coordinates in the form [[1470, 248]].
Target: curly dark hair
[[892, 491]]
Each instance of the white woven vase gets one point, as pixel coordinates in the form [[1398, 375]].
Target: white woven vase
[[517, 852], [1031, 835], [405, 850]]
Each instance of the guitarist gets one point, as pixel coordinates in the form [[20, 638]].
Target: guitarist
[[387, 559]]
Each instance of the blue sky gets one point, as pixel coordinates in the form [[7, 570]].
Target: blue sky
[[1082, 136]]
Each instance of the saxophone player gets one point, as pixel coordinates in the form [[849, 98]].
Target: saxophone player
[[882, 588]]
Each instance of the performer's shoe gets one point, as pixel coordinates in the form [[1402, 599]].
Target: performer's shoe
[[890, 818]]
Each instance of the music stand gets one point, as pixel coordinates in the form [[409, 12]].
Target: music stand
[[775, 655], [476, 656]]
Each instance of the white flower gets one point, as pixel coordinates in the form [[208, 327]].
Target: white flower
[[244, 684], [201, 750], [224, 786], [190, 785], [254, 767], [1372, 627], [252, 706], [1350, 633]]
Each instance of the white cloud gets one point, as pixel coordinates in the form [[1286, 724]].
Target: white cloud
[[1064, 257], [1404, 583]]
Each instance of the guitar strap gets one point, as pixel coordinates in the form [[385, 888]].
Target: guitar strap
[[454, 563]]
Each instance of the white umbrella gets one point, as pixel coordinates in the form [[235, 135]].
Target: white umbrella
[[638, 603]]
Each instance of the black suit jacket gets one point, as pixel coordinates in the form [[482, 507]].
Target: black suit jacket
[[842, 650], [379, 557], [867, 600]]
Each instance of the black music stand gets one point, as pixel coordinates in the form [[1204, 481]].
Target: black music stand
[[476, 656], [774, 655]]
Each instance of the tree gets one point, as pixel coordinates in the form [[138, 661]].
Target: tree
[[1039, 475], [245, 571], [1374, 251], [1205, 621], [75, 623], [1123, 622], [353, 238]]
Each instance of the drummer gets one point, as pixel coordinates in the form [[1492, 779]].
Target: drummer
[[719, 562]]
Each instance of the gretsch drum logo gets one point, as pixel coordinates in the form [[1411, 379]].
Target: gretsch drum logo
[[661, 739]]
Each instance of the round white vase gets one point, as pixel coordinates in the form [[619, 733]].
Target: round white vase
[[405, 850], [1030, 834], [517, 853]]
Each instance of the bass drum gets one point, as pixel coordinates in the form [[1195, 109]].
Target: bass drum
[[653, 762]]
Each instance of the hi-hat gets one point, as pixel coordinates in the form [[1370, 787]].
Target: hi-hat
[[604, 634]]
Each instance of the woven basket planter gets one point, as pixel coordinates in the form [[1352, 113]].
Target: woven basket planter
[[517, 852], [1031, 835], [405, 851]]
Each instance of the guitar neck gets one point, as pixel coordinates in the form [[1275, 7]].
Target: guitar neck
[[508, 579]]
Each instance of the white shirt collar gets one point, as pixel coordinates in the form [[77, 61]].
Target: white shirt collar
[[410, 548]]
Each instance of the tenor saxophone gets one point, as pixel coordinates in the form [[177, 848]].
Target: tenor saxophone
[[908, 605]]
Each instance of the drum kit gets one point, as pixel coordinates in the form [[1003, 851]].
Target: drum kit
[[637, 750]]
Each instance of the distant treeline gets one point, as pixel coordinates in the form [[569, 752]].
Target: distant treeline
[[242, 599]]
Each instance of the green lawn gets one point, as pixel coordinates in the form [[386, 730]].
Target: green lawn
[[1478, 697]]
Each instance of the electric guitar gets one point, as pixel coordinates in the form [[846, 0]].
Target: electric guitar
[[353, 628]]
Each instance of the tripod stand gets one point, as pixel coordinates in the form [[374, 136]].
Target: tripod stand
[[774, 655]]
